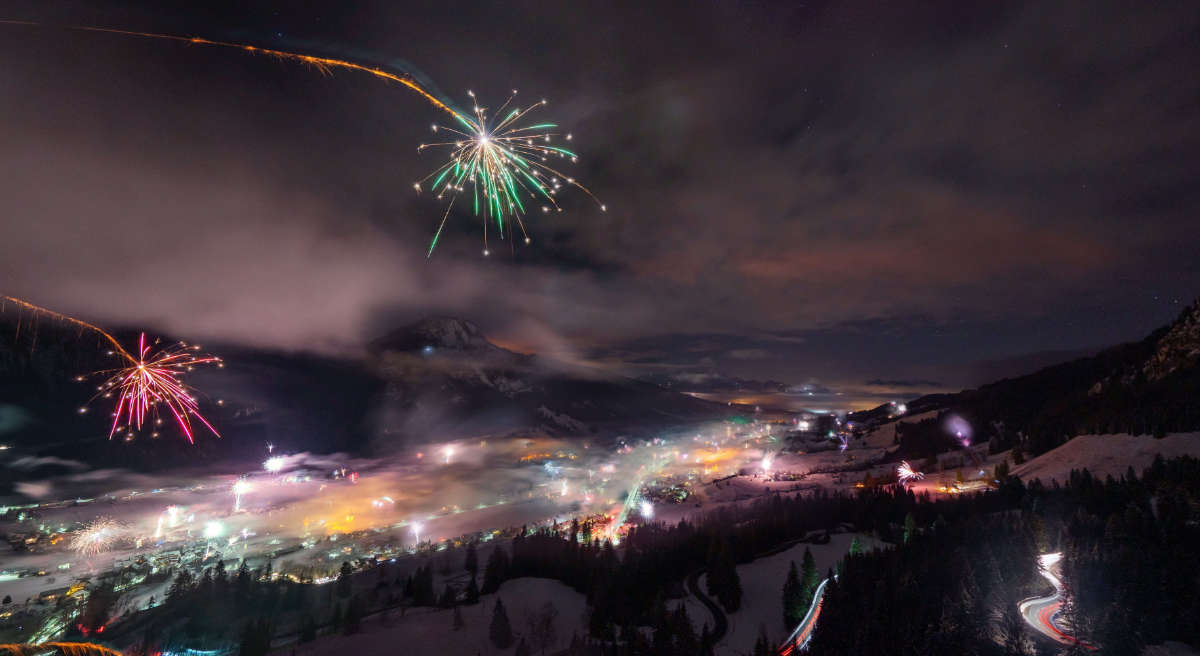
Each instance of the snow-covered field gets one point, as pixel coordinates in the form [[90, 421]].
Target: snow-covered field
[[762, 592], [885, 434], [431, 632], [1107, 454], [762, 580]]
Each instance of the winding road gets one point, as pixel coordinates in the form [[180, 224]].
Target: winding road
[[1041, 613], [720, 622], [798, 640]]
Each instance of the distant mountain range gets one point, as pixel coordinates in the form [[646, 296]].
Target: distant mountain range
[[434, 380], [443, 375], [1147, 387], [440, 379], [710, 382]]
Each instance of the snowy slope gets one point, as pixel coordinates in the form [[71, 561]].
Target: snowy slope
[[1107, 454], [762, 593], [884, 436], [430, 632]]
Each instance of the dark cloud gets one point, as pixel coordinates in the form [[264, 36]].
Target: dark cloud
[[840, 190], [879, 382], [31, 462]]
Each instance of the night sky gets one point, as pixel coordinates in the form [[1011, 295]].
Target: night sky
[[919, 195]]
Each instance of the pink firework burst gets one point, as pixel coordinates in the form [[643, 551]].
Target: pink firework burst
[[151, 381]]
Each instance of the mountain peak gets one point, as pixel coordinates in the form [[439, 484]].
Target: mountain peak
[[441, 333], [1179, 347]]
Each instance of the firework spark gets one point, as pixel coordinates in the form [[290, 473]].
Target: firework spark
[[906, 474], [152, 379], [240, 487], [168, 518], [147, 380], [767, 461], [96, 537], [504, 160]]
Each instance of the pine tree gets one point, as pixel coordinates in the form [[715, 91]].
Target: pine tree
[[335, 619], [762, 646], [246, 644], [722, 578], [296, 596], [496, 570], [446, 563], [447, 599], [791, 599], [660, 641], [308, 629], [255, 639], [705, 639], [422, 587], [354, 614], [810, 578], [472, 592], [471, 561], [685, 633], [500, 630], [345, 582], [1012, 632], [241, 584], [730, 592], [180, 587]]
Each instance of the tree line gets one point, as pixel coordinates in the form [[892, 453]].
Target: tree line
[[954, 585], [949, 584]]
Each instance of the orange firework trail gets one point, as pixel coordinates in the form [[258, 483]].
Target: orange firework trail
[[37, 309], [147, 380], [502, 159], [322, 64]]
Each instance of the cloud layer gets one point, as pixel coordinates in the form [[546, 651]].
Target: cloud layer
[[1004, 177]]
